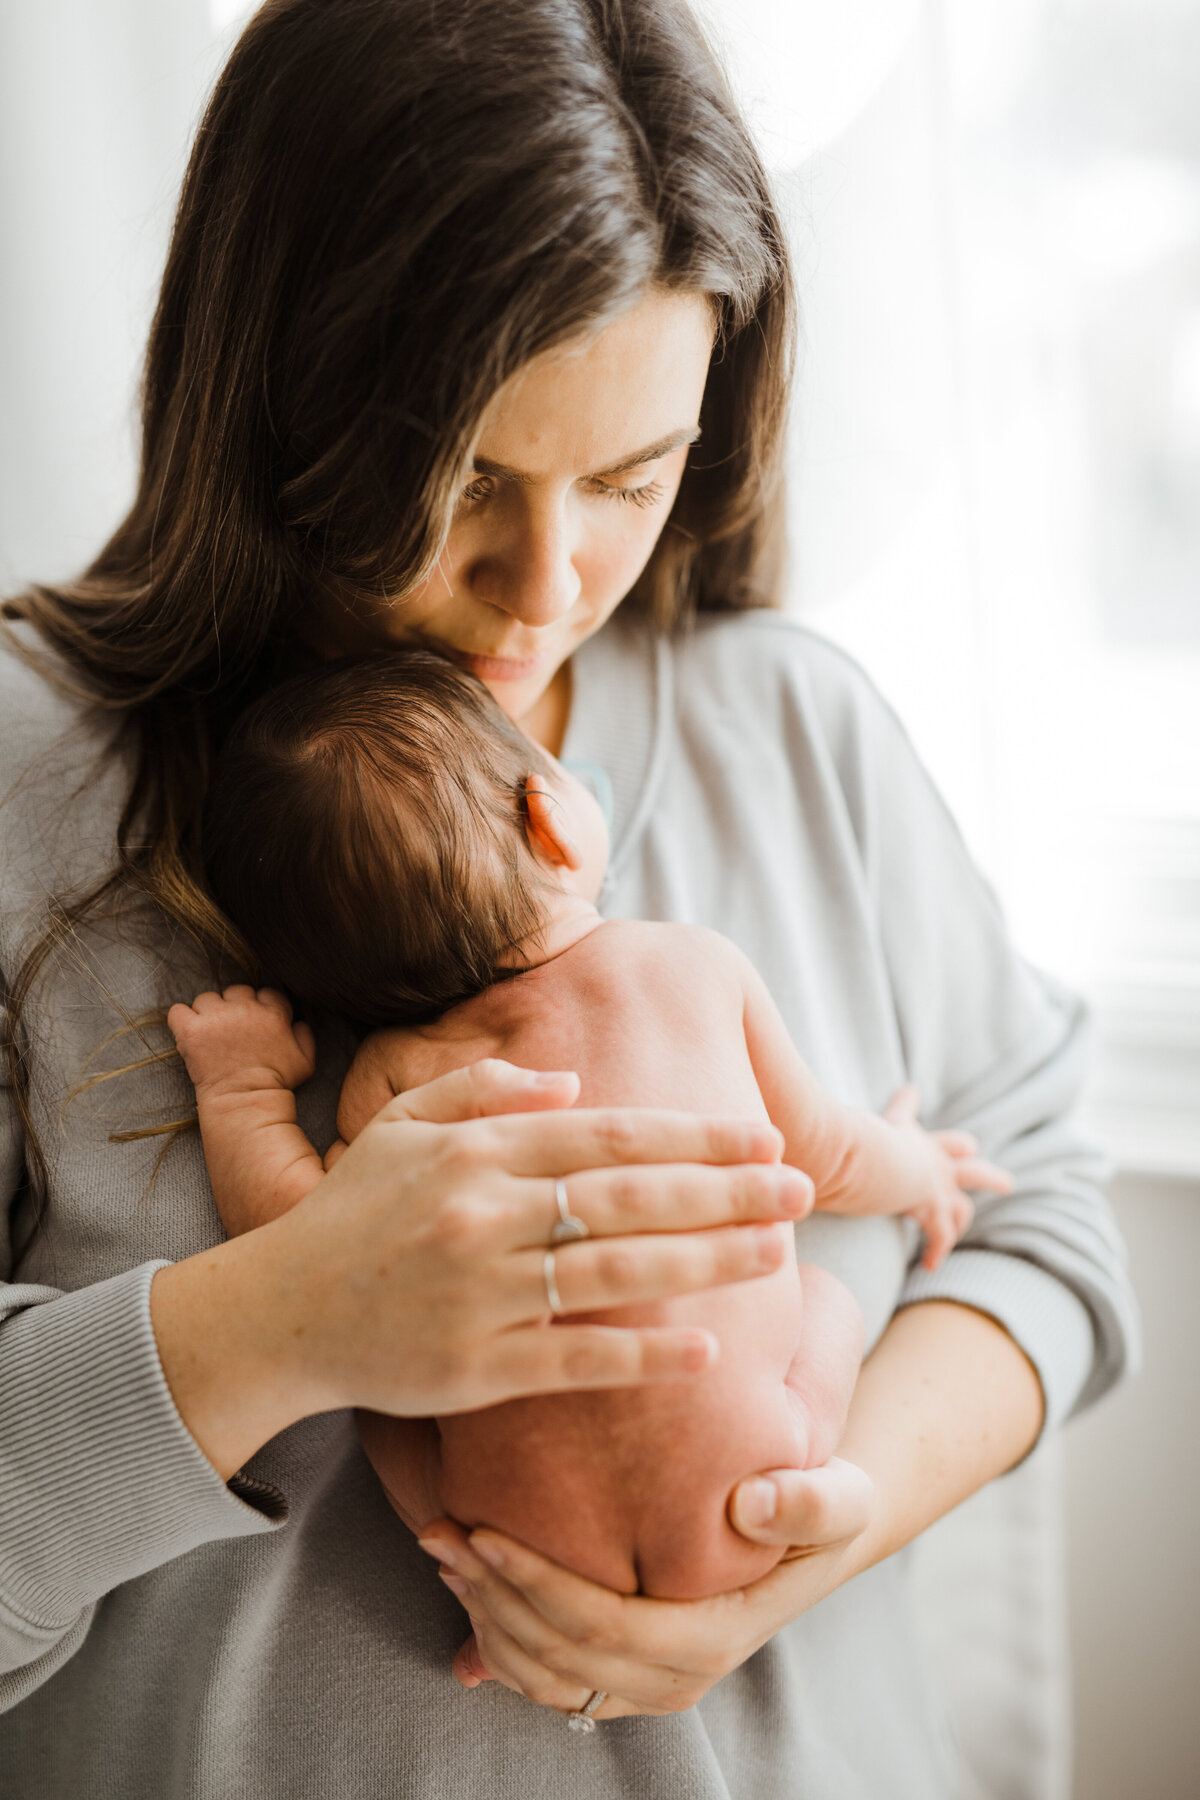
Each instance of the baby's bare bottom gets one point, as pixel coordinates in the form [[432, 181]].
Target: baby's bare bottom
[[630, 1486]]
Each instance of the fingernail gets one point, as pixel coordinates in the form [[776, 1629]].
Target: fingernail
[[700, 1350], [757, 1501], [456, 1584], [548, 1077], [488, 1552]]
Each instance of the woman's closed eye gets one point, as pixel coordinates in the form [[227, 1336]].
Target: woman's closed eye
[[648, 494]]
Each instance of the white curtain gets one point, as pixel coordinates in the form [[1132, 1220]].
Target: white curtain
[[996, 209]]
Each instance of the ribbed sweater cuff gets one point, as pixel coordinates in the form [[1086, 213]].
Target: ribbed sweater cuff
[[100, 1480], [1049, 1322]]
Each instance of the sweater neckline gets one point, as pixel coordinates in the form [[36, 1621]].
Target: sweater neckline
[[622, 703]]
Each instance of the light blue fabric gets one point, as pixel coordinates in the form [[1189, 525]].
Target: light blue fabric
[[597, 779]]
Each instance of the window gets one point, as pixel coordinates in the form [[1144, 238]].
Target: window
[[996, 471]]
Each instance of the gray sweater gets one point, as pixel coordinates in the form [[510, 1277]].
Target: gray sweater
[[164, 1634]]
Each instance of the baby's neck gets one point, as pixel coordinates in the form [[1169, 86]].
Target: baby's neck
[[569, 918]]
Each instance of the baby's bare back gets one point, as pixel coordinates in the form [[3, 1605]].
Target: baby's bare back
[[629, 1486]]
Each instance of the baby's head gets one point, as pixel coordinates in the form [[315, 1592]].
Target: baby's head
[[389, 842]]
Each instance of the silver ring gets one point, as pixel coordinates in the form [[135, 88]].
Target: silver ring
[[583, 1720], [568, 1228], [553, 1297]]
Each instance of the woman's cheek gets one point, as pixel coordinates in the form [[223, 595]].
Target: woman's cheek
[[617, 556]]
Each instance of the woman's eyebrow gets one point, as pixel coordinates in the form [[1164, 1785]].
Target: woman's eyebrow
[[687, 434]]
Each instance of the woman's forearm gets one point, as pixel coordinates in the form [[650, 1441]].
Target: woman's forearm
[[228, 1350], [946, 1401]]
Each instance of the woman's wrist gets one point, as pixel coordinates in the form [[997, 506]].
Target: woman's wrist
[[231, 1347]]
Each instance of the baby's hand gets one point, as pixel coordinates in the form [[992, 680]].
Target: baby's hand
[[242, 1039], [949, 1163]]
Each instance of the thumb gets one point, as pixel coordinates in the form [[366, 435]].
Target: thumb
[[803, 1508], [904, 1105], [484, 1090]]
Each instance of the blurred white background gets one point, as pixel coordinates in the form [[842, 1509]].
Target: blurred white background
[[995, 206]]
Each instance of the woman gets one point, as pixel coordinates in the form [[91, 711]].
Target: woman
[[452, 292]]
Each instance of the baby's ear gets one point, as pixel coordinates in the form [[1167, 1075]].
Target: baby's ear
[[546, 826]]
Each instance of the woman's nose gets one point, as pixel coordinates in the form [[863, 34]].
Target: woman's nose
[[532, 574]]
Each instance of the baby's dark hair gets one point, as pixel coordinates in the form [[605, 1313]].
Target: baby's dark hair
[[365, 832]]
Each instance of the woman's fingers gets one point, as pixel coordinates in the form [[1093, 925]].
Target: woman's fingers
[[522, 1646], [532, 1360], [664, 1197], [468, 1665], [803, 1508], [563, 1616], [598, 1274], [621, 1137], [502, 1658], [484, 1090]]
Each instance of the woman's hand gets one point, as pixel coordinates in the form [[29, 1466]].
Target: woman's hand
[[555, 1637], [945, 1401], [411, 1281]]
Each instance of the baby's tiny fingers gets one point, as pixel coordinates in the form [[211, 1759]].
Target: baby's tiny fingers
[[208, 1001], [958, 1143], [904, 1105], [984, 1177], [179, 1017], [275, 1000]]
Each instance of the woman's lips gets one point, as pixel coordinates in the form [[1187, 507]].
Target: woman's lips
[[494, 668]]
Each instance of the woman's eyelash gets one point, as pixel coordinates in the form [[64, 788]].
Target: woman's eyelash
[[646, 495], [649, 494]]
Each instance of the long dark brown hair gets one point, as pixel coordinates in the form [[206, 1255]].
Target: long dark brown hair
[[390, 207]]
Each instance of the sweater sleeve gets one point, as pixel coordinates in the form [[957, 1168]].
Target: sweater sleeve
[[100, 1480], [1001, 1050]]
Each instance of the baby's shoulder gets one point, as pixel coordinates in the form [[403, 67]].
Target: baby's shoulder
[[652, 946]]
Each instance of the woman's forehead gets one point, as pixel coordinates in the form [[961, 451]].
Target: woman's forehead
[[604, 402]]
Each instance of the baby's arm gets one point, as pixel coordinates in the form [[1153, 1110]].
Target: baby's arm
[[245, 1056], [861, 1162]]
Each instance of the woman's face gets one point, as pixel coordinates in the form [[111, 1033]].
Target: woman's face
[[575, 468]]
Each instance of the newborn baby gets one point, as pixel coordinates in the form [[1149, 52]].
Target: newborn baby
[[396, 851]]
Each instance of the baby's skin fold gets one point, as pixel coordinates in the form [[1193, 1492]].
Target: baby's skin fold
[[629, 1487]]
